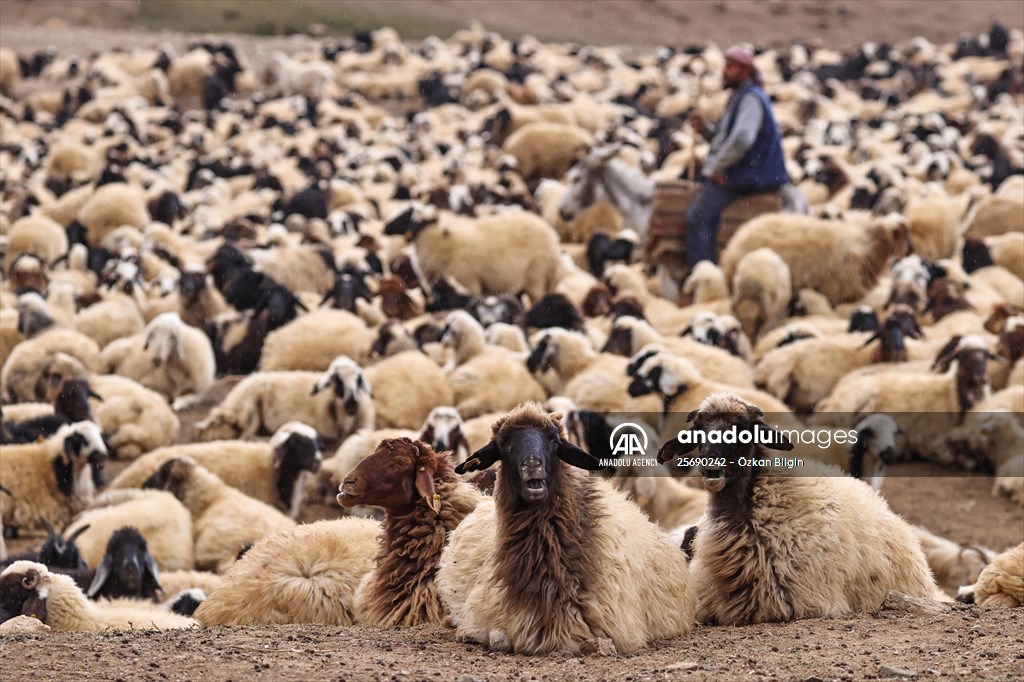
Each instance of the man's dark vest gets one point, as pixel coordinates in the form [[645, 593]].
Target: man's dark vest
[[763, 167]]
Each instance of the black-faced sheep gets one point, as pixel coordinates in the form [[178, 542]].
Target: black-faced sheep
[[424, 501], [57, 601], [51, 479], [560, 558], [782, 547]]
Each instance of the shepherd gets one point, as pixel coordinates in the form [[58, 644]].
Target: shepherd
[[745, 157]]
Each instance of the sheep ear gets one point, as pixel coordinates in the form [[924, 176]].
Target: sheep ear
[[857, 452], [153, 571], [322, 383], [74, 536], [94, 395], [425, 487], [102, 573], [693, 415], [673, 448], [365, 386], [484, 458], [993, 356], [874, 337], [945, 356], [578, 457], [49, 529]]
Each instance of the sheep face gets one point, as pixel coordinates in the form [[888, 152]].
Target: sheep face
[[297, 448], [727, 412], [529, 442], [20, 585], [542, 357], [394, 476], [218, 427], [348, 382], [971, 356], [620, 340], [172, 476], [163, 337], [127, 568], [443, 430]]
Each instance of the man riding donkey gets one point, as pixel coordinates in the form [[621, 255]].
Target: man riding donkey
[[745, 157]]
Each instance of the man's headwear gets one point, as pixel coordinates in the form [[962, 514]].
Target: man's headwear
[[746, 57]]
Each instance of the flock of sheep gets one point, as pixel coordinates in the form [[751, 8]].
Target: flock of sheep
[[387, 243]]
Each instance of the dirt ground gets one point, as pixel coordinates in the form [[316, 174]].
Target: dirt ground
[[966, 643]]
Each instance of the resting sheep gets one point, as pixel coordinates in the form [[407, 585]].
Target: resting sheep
[[560, 558], [56, 600], [1001, 583], [305, 575], [779, 548], [423, 500], [224, 519]]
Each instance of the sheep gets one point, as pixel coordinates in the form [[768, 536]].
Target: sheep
[[952, 564], [1001, 583], [839, 260], [306, 575], [266, 401], [547, 150], [312, 341], [38, 235], [10, 71], [483, 379], [115, 317], [665, 500], [629, 334], [936, 398], [423, 500], [287, 77], [1010, 480], [134, 418], [576, 588], [126, 571], [761, 291], [864, 454], [170, 358], [499, 254], [223, 519], [821, 546], [22, 370], [110, 207], [52, 479], [161, 519], [995, 215], [405, 387], [57, 601], [274, 472], [444, 430], [300, 268]]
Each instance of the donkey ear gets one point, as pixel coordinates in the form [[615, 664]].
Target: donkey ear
[[577, 457], [484, 458]]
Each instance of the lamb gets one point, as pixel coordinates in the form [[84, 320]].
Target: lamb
[[499, 254], [825, 546], [170, 358], [274, 472], [761, 291], [952, 564], [547, 150], [839, 260], [598, 570], [423, 500], [305, 575], [1001, 583], [160, 518], [483, 378], [405, 387], [52, 479], [57, 601], [266, 401], [224, 519]]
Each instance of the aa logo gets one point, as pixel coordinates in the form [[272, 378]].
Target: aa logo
[[628, 440]]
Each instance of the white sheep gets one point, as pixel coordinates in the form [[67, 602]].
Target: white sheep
[[287, 77], [761, 290], [826, 545], [1001, 583], [951, 563], [266, 401], [224, 519], [158, 516], [22, 371], [311, 342], [305, 575], [547, 150], [60, 603], [596, 567], [274, 472], [170, 357], [52, 479]]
